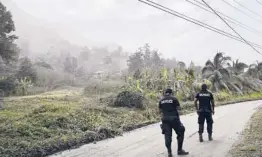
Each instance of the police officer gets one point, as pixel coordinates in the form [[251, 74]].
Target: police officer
[[169, 106], [205, 109]]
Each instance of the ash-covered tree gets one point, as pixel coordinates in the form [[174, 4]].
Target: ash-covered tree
[[146, 55], [26, 70], [216, 72], [237, 67], [8, 50], [255, 70], [44, 65], [118, 52], [135, 62], [107, 60], [170, 63], [181, 66], [70, 65], [145, 58], [156, 61], [85, 54]]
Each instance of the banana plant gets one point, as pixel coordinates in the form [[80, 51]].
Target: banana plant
[[23, 85]]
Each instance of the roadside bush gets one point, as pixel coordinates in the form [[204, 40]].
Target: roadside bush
[[26, 70], [8, 86], [152, 96], [51, 79], [130, 99], [222, 96], [22, 86], [98, 87], [108, 100]]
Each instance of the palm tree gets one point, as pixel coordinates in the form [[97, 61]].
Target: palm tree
[[237, 67], [181, 65], [216, 72], [255, 70], [241, 81], [237, 80], [253, 77]]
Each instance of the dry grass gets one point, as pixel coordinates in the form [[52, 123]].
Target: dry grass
[[251, 143]]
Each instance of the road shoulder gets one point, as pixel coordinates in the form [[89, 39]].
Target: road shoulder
[[250, 143]]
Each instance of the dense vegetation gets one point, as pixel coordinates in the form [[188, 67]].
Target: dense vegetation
[[58, 101]]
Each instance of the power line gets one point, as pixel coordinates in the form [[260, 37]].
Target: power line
[[228, 18], [199, 23], [259, 2], [240, 10], [231, 27], [247, 8]]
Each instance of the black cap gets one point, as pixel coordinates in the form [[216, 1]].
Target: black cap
[[204, 86], [168, 91]]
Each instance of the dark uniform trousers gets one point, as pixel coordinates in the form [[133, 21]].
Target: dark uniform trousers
[[176, 125], [201, 120]]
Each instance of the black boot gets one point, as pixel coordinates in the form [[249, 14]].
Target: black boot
[[210, 137], [200, 131], [182, 152], [201, 138], [169, 152], [210, 131]]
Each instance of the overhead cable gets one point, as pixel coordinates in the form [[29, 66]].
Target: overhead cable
[[232, 28], [232, 6], [228, 18], [247, 8], [199, 23], [259, 2]]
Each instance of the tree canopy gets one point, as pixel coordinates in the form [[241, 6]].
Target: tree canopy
[[8, 50]]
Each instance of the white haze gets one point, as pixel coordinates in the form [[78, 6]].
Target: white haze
[[67, 25]]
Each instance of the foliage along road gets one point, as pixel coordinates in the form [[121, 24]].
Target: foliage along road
[[229, 121]]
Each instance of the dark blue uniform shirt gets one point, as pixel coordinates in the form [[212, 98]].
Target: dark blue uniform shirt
[[205, 98], [169, 107]]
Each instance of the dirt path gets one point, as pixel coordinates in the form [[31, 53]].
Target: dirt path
[[149, 142]]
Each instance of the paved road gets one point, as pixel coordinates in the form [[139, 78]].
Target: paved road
[[149, 142]]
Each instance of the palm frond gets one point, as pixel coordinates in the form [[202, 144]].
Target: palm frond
[[225, 73], [223, 85], [209, 63], [259, 66], [227, 58], [237, 61], [207, 70], [181, 65], [224, 61], [218, 75], [217, 59], [241, 66], [252, 66], [229, 65], [234, 87]]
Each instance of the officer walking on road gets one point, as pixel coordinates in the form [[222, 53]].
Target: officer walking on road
[[205, 109], [169, 106]]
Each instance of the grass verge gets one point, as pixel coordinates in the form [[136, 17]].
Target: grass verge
[[44, 124], [251, 143]]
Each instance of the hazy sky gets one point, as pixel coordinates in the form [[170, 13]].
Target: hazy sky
[[131, 23]]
